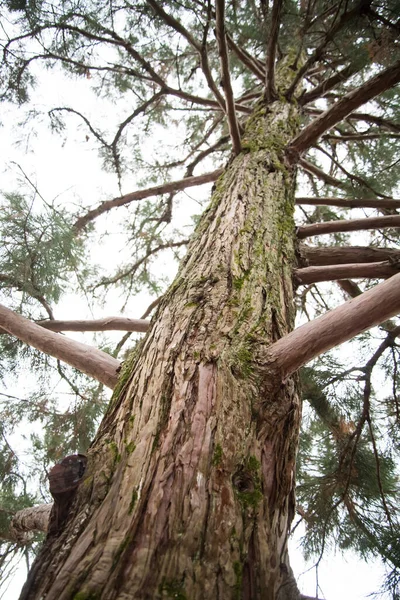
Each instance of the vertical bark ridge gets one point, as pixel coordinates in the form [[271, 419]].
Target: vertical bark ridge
[[189, 486]]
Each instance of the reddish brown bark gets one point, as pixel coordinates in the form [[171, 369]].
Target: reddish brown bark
[[189, 483], [226, 78], [381, 270], [270, 90], [106, 324], [349, 287], [335, 327], [87, 359], [338, 255], [251, 63], [328, 84], [343, 226]]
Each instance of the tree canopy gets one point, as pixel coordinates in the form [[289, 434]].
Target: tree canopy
[[163, 93]]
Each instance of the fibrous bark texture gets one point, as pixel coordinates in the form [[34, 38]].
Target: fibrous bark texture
[[28, 520], [188, 491]]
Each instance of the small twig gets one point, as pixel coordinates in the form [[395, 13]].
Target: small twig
[[325, 177]]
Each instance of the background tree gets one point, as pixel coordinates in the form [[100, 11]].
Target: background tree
[[189, 488]]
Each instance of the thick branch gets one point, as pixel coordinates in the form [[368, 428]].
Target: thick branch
[[166, 188], [379, 121], [343, 107], [339, 255], [356, 116], [353, 225], [379, 270], [87, 359], [30, 520], [359, 137], [226, 78], [335, 327], [107, 324], [350, 202]]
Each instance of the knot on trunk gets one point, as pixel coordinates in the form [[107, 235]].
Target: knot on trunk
[[64, 479]]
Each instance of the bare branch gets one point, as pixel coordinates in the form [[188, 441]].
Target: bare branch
[[221, 142], [106, 324], [270, 90], [131, 270], [342, 108], [353, 225], [165, 188], [339, 255], [335, 327], [359, 137], [356, 116], [378, 270], [314, 170], [350, 202], [319, 51], [226, 78], [86, 359], [28, 289], [328, 84], [360, 181]]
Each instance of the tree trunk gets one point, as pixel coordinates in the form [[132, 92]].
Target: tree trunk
[[188, 491]]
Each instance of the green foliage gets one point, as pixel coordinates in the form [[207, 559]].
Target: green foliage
[[38, 250], [347, 474]]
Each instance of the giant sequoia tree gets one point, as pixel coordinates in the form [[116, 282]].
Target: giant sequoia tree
[[189, 488]]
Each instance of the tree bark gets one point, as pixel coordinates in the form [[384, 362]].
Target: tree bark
[[106, 324], [350, 202], [335, 327], [343, 226], [381, 270], [29, 520], [188, 490], [336, 255]]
